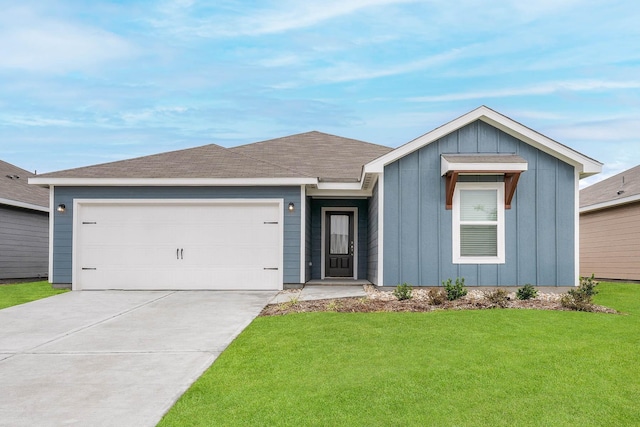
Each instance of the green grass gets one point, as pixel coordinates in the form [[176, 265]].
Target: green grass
[[21, 293], [448, 368]]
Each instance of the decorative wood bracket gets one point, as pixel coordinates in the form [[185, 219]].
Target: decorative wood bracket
[[510, 183]]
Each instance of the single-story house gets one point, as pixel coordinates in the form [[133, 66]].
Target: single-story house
[[24, 225], [481, 197], [610, 227]]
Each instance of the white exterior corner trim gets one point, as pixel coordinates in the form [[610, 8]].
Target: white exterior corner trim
[[51, 227], [610, 203], [585, 165], [171, 182], [380, 230], [576, 232], [323, 214], [303, 229]]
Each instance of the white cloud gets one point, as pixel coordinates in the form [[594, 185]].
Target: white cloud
[[32, 42], [540, 89]]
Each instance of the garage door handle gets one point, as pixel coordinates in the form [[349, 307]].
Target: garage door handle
[[181, 250], [178, 253], [270, 268]]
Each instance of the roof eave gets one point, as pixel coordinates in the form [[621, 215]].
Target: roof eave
[[610, 203], [24, 205], [170, 182]]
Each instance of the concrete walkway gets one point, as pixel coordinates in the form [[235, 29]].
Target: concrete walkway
[[109, 358], [317, 292]]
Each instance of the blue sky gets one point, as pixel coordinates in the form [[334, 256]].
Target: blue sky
[[86, 82]]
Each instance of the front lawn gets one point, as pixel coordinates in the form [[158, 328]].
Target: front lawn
[[483, 367], [20, 293]]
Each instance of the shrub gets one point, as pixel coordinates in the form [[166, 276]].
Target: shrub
[[456, 291], [526, 292], [581, 298], [497, 297], [403, 292], [437, 296]]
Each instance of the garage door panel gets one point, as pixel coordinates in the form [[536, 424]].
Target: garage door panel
[[141, 245]]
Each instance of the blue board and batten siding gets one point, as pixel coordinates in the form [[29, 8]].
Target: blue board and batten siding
[[539, 227], [63, 225]]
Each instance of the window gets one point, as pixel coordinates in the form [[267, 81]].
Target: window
[[478, 223]]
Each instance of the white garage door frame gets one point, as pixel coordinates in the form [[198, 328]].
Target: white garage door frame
[[78, 204]]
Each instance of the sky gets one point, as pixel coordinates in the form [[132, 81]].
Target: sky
[[88, 82]]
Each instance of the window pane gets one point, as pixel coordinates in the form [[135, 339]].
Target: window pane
[[478, 205], [339, 234], [479, 240]]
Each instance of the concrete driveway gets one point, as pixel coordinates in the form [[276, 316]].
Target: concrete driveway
[[113, 358]]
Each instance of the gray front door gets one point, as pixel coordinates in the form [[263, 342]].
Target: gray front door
[[339, 244]]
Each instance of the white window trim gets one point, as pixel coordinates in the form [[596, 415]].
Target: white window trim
[[457, 258]]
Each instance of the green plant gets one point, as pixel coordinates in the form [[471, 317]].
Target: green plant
[[526, 292], [497, 297], [403, 292], [333, 305], [581, 298], [436, 296], [456, 291]]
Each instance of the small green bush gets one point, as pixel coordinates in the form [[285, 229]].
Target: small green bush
[[456, 291], [437, 296], [403, 292], [497, 297], [581, 298], [526, 292]]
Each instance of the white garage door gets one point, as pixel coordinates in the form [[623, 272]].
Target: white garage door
[[140, 245]]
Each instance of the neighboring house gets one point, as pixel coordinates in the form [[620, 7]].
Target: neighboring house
[[610, 227], [482, 197], [24, 225]]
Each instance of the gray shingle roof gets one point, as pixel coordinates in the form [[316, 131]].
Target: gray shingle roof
[[620, 186], [14, 186], [208, 161], [306, 155], [317, 154]]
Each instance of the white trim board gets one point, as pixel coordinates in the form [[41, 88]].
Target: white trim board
[[171, 182], [585, 165], [323, 213]]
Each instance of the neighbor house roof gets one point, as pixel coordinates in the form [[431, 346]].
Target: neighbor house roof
[[324, 156], [617, 190], [16, 191]]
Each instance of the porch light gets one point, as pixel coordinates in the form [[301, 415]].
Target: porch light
[[291, 207], [61, 207]]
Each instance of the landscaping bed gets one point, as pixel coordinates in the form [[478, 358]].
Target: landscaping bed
[[422, 301]]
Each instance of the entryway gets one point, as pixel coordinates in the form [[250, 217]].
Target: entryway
[[339, 238]]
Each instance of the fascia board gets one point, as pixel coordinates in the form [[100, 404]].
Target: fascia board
[[171, 182], [610, 203], [584, 164], [23, 205], [316, 192]]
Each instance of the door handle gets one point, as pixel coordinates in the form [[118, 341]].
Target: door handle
[[181, 250], [178, 253]]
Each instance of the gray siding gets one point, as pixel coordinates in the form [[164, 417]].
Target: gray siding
[[539, 227], [63, 226], [24, 243], [316, 233], [372, 265]]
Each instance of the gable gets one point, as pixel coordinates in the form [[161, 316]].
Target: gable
[[583, 164]]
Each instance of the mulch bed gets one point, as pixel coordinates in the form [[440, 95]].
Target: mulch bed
[[369, 305]]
